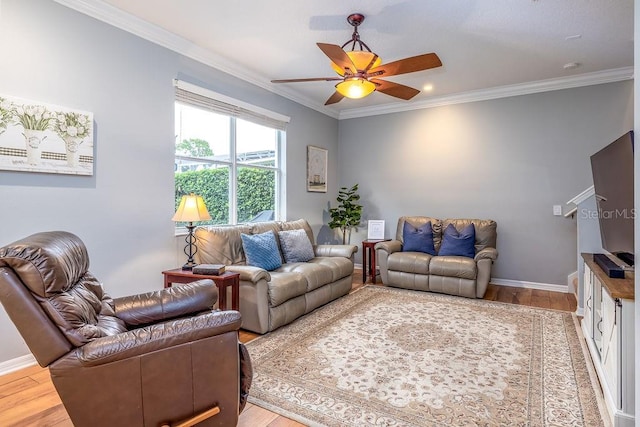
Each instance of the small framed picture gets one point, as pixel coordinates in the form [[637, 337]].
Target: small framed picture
[[375, 229], [317, 169]]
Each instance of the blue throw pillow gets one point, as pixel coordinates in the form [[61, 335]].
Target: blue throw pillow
[[459, 243], [418, 239], [261, 250]]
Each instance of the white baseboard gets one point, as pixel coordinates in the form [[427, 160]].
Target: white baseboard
[[530, 285], [572, 283], [17, 364], [580, 311]]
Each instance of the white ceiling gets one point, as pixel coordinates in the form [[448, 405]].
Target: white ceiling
[[488, 48]]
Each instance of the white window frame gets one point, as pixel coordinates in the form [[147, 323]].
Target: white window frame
[[237, 109]]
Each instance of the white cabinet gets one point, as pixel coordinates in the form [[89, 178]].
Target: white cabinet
[[609, 351], [587, 321], [608, 327]]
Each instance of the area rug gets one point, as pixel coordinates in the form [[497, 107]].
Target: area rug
[[391, 357]]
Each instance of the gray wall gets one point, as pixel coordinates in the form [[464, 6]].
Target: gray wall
[[123, 213], [509, 159]]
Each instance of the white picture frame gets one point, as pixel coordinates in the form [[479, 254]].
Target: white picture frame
[[375, 229], [317, 163], [40, 137]]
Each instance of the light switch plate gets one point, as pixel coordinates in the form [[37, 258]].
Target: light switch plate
[[557, 210]]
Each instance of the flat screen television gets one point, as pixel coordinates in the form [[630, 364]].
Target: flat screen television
[[612, 169]]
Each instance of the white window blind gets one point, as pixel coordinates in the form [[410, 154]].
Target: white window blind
[[218, 103]]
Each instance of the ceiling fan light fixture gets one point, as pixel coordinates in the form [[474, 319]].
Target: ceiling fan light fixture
[[355, 88], [360, 58]]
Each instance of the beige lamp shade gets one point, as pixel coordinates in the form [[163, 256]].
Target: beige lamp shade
[[191, 209], [355, 88]]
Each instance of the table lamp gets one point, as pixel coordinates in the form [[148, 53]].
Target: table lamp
[[191, 209]]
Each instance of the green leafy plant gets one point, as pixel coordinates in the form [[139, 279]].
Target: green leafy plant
[[194, 147], [348, 214], [255, 191]]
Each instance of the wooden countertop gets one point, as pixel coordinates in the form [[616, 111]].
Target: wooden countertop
[[617, 288]]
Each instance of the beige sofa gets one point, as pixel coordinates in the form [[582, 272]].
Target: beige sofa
[[270, 299], [454, 275]]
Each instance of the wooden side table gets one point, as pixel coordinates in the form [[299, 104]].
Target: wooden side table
[[226, 279], [368, 251]]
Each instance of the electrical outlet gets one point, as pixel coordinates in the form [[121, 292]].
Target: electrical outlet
[[557, 210]]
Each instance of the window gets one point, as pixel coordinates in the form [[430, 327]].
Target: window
[[229, 153]]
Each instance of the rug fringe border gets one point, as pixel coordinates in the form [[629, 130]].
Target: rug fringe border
[[283, 412]]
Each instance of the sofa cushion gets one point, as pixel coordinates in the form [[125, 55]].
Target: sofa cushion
[[418, 239], [485, 230], [410, 262], [418, 221], [296, 225], [453, 266], [220, 244], [261, 250], [285, 286], [316, 275], [296, 246], [340, 267], [458, 243]]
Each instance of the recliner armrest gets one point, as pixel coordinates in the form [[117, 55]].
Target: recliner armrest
[[151, 338], [487, 253], [168, 303], [346, 251], [249, 273], [389, 246]]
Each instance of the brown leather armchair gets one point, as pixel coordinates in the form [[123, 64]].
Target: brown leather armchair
[[153, 359]]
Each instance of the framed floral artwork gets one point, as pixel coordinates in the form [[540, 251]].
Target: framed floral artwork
[[317, 169], [39, 137]]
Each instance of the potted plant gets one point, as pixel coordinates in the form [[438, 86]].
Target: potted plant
[[348, 213]]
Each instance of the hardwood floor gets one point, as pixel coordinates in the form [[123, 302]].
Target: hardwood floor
[[28, 398]]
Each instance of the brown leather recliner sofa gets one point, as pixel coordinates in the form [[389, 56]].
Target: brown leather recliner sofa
[[270, 299], [454, 275], [144, 360]]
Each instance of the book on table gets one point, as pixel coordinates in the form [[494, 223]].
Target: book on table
[[209, 269]]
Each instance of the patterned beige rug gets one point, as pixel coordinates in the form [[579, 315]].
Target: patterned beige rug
[[390, 357]]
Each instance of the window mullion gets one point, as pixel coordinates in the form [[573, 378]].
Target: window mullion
[[233, 173]]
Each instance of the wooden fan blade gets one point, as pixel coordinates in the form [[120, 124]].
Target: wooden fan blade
[[313, 79], [338, 56], [407, 65], [336, 97], [395, 89]]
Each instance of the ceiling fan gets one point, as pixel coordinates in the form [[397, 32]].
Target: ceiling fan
[[360, 70]]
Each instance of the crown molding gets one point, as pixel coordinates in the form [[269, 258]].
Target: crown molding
[[116, 17], [587, 79], [127, 22]]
